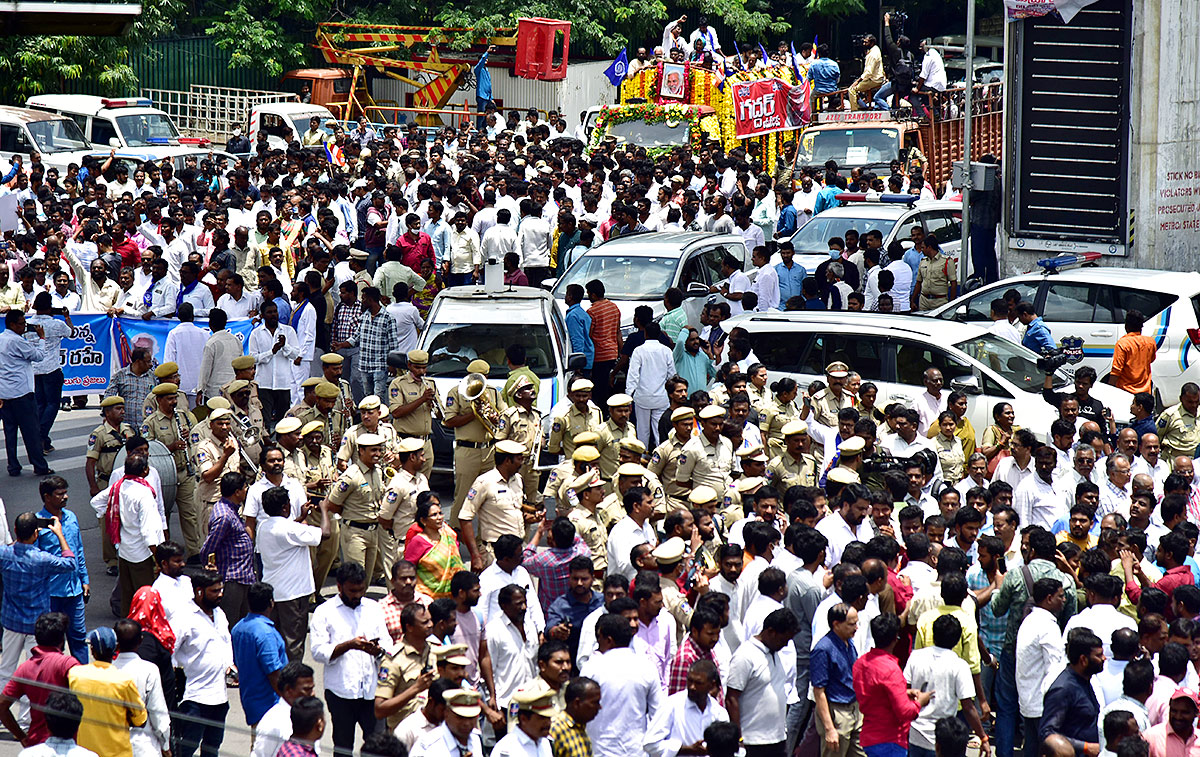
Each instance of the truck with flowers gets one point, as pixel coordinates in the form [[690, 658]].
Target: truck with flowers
[[669, 105]]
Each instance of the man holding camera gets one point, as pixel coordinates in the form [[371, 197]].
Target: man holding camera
[[872, 76]]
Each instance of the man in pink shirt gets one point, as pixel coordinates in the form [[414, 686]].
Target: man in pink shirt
[[37, 678], [1176, 736]]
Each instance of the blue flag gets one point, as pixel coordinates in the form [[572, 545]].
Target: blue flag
[[617, 69], [763, 52]]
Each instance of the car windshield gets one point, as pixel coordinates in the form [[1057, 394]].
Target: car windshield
[[645, 134], [1012, 361], [625, 277], [814, 236], [58, 136], [139, 129], [851, 148], [452, 346], [301, 124]]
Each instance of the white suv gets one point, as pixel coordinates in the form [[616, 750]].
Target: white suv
[[1090, 303], [893, 351]]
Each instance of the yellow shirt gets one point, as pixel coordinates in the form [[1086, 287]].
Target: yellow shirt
[[111, 704]]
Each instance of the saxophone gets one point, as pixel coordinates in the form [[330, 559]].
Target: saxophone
[[186, 437], [473, 389]]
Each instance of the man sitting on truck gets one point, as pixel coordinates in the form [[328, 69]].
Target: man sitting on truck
[[872, 75]]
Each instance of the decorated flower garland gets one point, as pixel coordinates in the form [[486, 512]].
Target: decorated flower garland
[[652, 113]]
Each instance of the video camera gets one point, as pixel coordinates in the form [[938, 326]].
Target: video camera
[[899, 19], [857, 41], [1052, 360]]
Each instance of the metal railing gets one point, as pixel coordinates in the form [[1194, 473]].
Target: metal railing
[[213, 112]]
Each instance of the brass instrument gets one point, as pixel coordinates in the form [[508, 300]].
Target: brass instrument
[[473, 389], [186, 437], [246, 436], [439, 412], [347, 413]]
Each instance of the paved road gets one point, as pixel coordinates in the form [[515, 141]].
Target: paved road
[[20, 494]]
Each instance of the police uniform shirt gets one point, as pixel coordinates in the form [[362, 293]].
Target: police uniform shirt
[[521, 426], [610, 446], [785, 471], [255, 403], [400, 500], [299, 411], [404, 390], [208, 454], [161, 427], [473, 431], [349, 448], [675, 603], [664, 463], [150, 404], [564, 428], [1178, 432], [587, 525], [558, 485], [935, 275], [825, 407], [703, 463], [293, 463], [397, 673], [657, 493], [610, 510], [318, 466], [497, 503], [103, 444], [359, 491], [775, 416]]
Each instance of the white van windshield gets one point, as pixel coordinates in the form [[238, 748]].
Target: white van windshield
[[61, 135]]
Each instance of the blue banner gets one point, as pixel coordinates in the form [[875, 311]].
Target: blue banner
[[87, 356], [131, 333]]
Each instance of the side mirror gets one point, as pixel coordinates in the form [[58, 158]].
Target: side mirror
[[548, 284], [576, 361], [966, 384], [114, 142], [695, 289]]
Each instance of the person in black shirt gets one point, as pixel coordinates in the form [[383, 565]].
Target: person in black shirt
[[1090, 408]]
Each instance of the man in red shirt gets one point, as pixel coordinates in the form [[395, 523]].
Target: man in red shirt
[[131, 256], [606, 335], [888, 706], [37, 678], [415, 245], [1132, 356], [1171, 554]]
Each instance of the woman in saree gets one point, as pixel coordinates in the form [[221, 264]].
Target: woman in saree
[[432, 546]]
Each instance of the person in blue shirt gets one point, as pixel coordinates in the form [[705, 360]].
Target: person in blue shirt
[[824, 72], [812, 295], [67, 590], [1142, 410], [786, 226], [579, 325], [791, 274], [27, 570], [439, 235], [827, 197], [831, 667], [483, 87], [1037, 335], [259, 654]]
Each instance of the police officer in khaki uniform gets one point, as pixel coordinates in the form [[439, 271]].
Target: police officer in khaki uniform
[[616, 428], [827, 402], [589, 493], [319, 474], [172, 426], [558, 486], [495, 497], [400, 500], [244, 370], [413, 399], [664, 462], [472, 439], [247, 419], [580, 416], [707, 458], [342, 413], [324, 395], [937, 278], [777, 411], [612, 509], [407, 674], [371, 410], [669, 556], [733, 506], [522, 424], [166, 373], [308, 399], [633, 451], [103, 444], [795, 466], [357, 496], [201, 429], [1178, 431], [216, 455], [287, 436]]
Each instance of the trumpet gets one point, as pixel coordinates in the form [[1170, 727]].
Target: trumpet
[[473, 389], [246, 436], [436, 406]]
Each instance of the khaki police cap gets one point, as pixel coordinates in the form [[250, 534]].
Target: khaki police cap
[[585, 453], [216, 403], [852, 446], [242, 362], [841, 475], [795, 427], [620, 400], [370, 402], [478, 366], [164, 389], [682, 414], [587, 480], [537, 701], [585, 437], [219, 413], [310, 427], [712, 411], [451, 654], [418, 357], [311, 381], [332, 358], [166, 369], [462, 702], [113, 400], [670, 551], [369, 440], [631, 469], [238, 385], [582, 385], [327, 390], [749, 452], [411, 444], [288, 425], [837, 369], [633, 445], [521, 382], [509, 447], [749, 484], [358, 254], [702, 495]]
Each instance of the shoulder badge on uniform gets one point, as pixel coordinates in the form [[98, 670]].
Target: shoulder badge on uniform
[[1162, 421], [92, 440], [471, 493], [390, 497], [449, 400], [383, 673], [201, 456], [195, 437], [655, 458], [343, 486], [556, 426], [726, 501], [503, 424], [145, 429]]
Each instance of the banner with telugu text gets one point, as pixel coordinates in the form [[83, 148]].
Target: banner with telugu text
[[130, 333]]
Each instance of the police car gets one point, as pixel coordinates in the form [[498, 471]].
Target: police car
[[130, 124], [471, 322], [1085, 307]]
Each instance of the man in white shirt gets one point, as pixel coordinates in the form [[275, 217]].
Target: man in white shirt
[[758, 683], [346, 635], [650, 365], [932, 401], [285, 547], [185, 347], [733, 285], [237, 302], [500, 239], [848, 524], [933, 68], [142, 527], [217, 355], [1114, 489], [507, 569], [194, 291], [1001, 326], [939, 669], [294, 680], [630, 686], [304, 322], [153, 737], [1018, 466], [204, 651], [682, 718], [1104, 593], [274, 346], [634, 529], [1040, 651], [1035, 500], [512, 642], [533, 243], [766, 282], [408, 319]]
